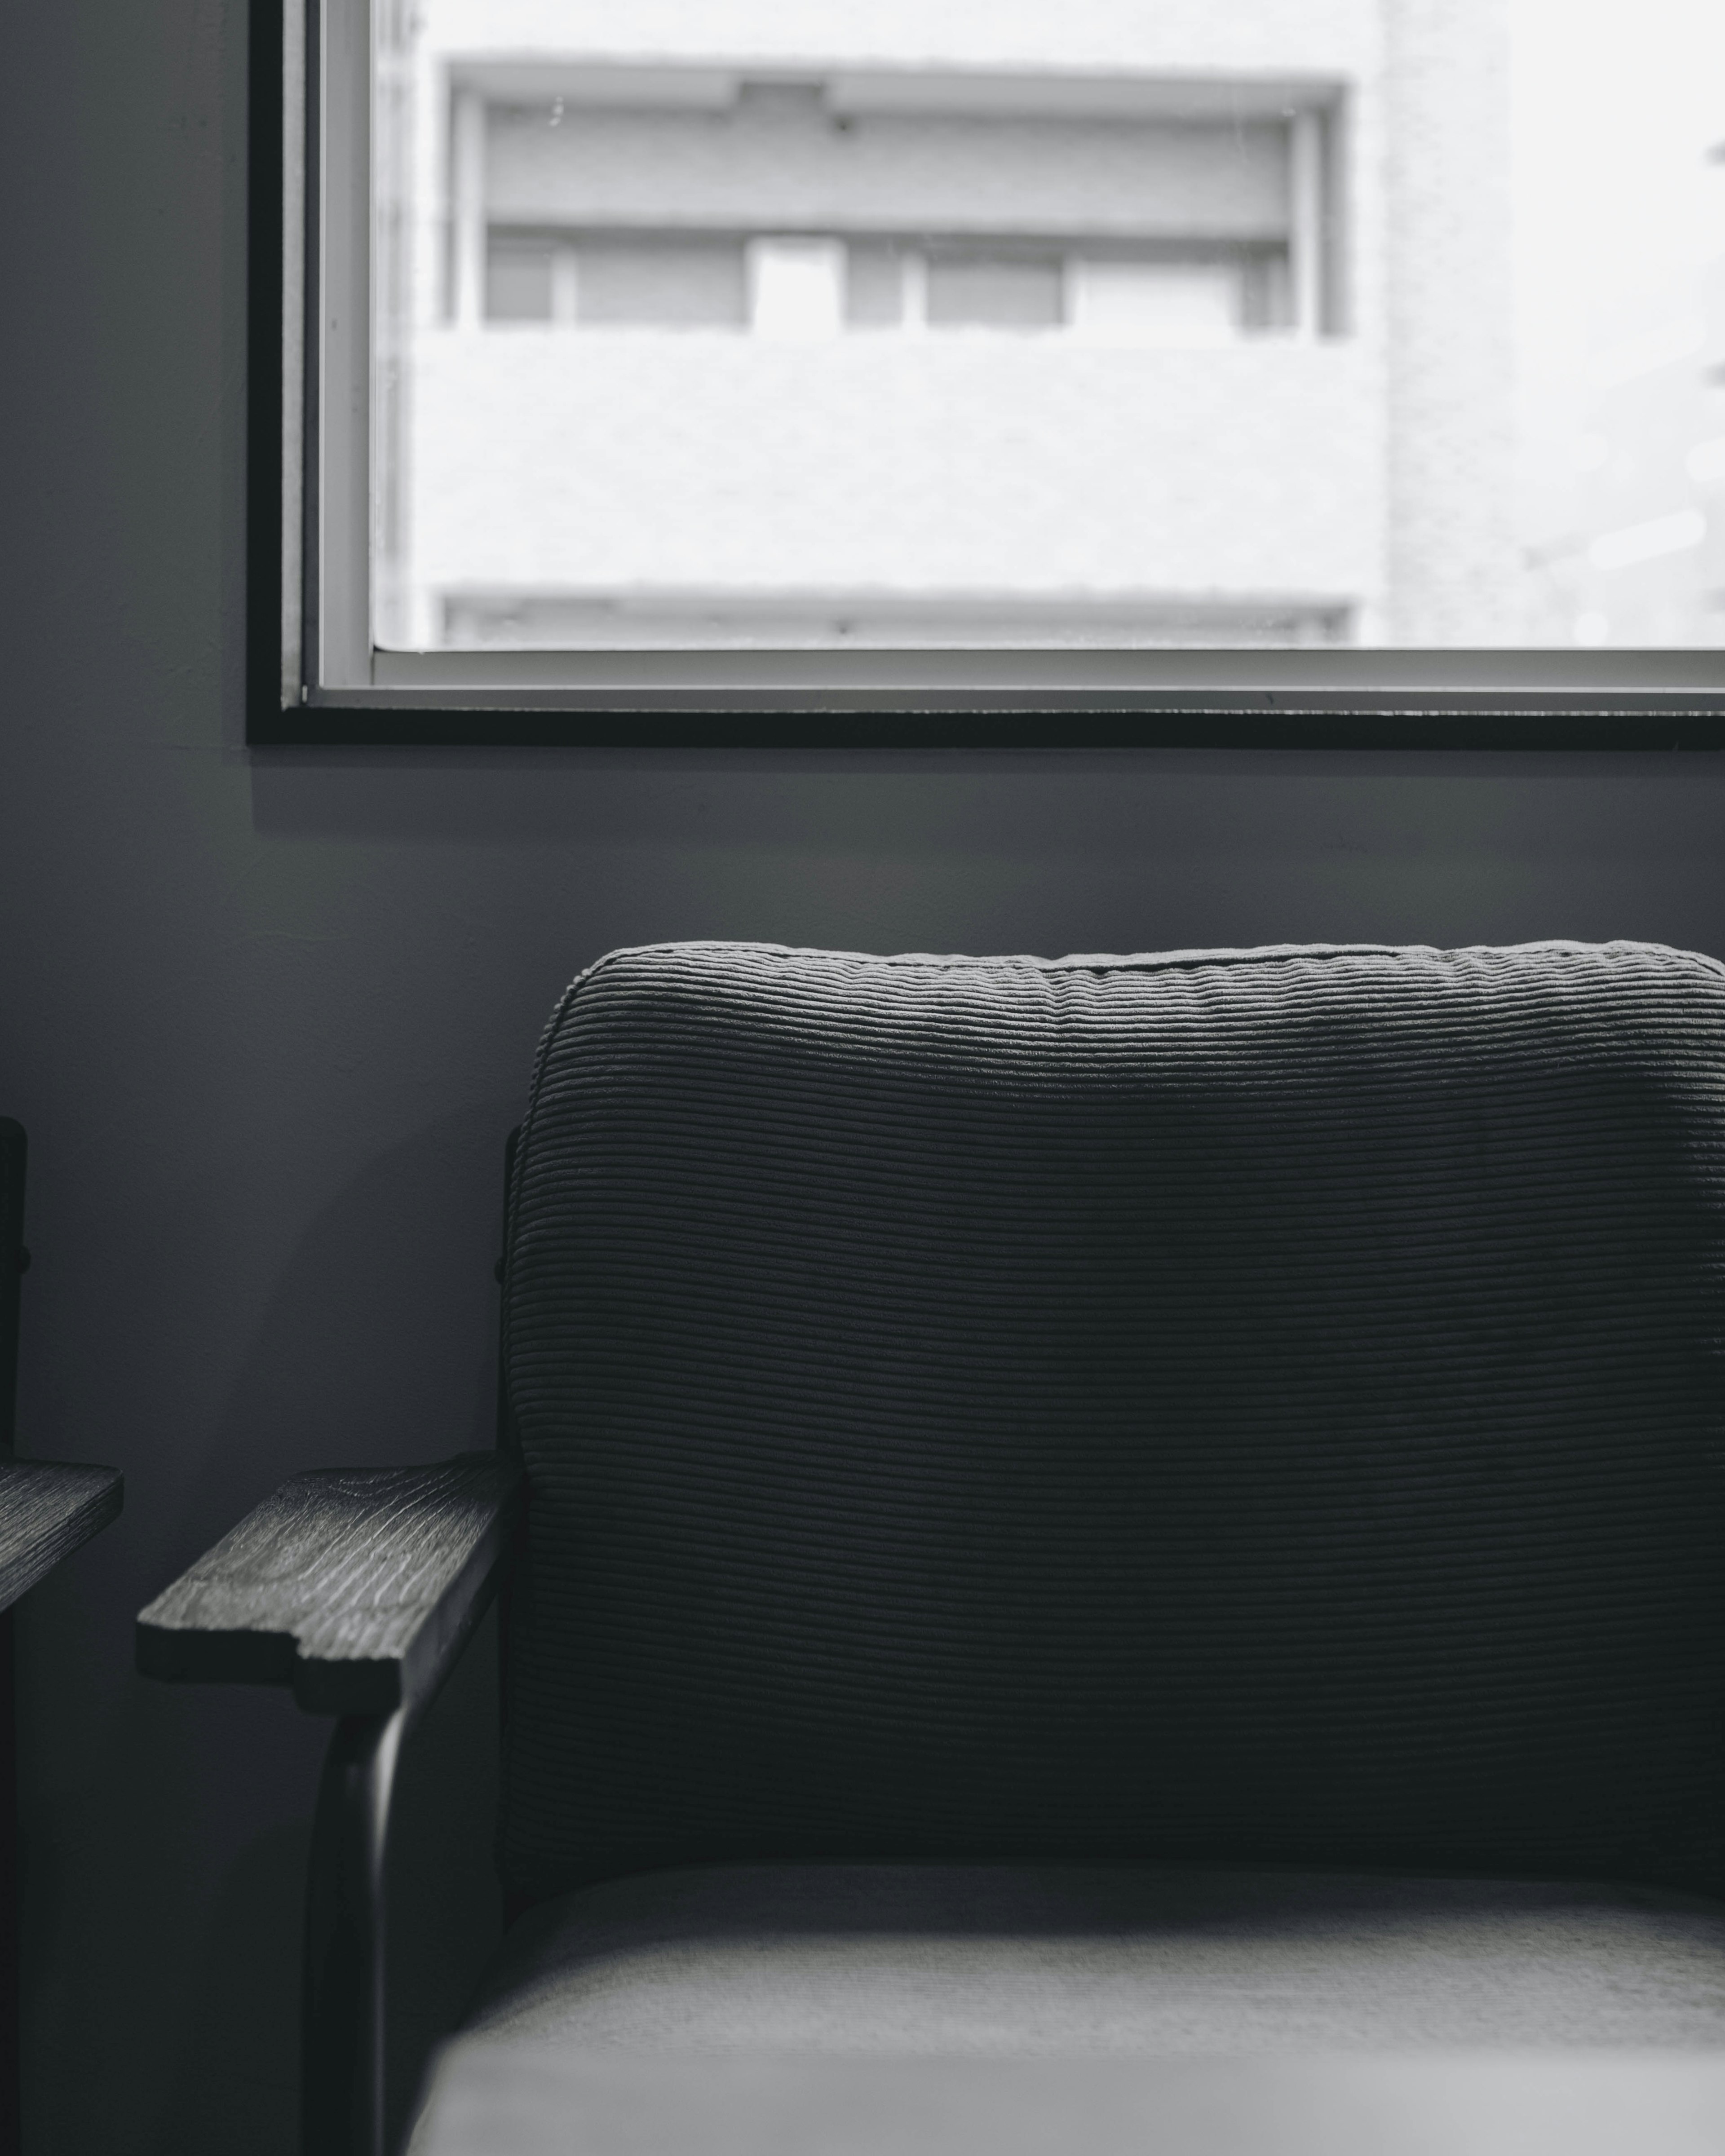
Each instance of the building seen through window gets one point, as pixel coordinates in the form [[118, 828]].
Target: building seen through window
[[738, 324]]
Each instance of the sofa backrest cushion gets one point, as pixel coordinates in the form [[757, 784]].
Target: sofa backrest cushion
[[1258, 1404]]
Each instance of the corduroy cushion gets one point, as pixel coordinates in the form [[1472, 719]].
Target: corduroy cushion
[[1258, 1406]]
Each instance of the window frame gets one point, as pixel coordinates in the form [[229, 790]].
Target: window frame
[[305, 437]]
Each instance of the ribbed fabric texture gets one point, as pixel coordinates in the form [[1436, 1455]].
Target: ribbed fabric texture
[[1257, 1405]]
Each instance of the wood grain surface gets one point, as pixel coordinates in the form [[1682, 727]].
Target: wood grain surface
[[47, 1507], [356, 1587]]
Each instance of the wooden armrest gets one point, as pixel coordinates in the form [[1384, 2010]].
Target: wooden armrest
[[47, 1507], [359, 1589]]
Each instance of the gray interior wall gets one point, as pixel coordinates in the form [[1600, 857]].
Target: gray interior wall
[[268, 1019]]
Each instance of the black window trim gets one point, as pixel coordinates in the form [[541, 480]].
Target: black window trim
[[1018, 712]]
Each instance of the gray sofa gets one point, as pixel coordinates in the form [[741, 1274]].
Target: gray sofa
[[1149, 1505]]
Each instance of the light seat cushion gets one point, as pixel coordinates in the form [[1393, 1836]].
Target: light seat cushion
[[1083, 1961], [597, 2102], [1156, 1958]]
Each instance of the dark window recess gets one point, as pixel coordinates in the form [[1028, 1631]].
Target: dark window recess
[[1266, 292], [874, 285], [664, 285], [517, 282], [999, 291]]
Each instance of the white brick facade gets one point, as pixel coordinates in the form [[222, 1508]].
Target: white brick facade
[[1346, 467]]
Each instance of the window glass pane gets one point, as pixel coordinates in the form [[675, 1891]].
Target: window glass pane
[[874, 285], [518, 283], [996, 291], [662, 284], [796, 288], [1157, 302], [1351, 323]]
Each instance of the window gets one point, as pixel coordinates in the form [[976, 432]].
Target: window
[[947, 372]]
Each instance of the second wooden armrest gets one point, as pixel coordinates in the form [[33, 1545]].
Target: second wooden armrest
[[357, 1589], [47, 1507]]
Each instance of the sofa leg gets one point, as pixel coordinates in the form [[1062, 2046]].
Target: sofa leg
[[341, 2079]]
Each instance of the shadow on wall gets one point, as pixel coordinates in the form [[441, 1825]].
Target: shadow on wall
[[234, 2085], [378, 1345], [1389, 802], [1052, 853]]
